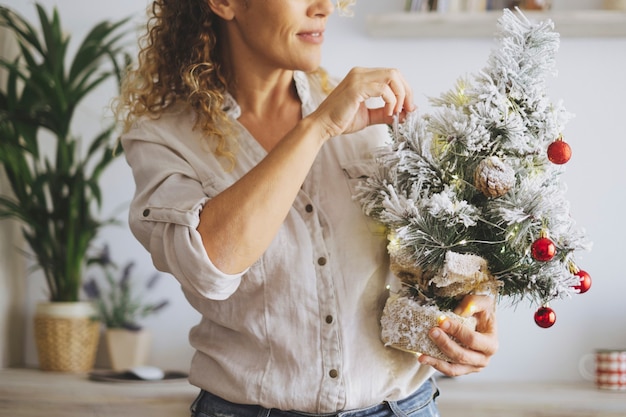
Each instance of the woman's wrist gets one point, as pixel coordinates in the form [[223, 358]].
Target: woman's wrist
[[317, 128]]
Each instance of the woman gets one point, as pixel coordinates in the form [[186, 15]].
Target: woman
[[245, 157]]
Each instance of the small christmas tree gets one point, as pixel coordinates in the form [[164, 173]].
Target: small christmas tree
[[471, 194]]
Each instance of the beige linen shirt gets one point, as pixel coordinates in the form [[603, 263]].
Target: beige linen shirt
[[299, 329]]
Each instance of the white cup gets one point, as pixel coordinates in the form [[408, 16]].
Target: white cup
[[605, 367]]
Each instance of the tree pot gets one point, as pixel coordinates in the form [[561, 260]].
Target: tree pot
[[66, 336], [127, 348], [615, 4]]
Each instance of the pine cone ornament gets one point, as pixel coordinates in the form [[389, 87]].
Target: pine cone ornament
[[493, 177]]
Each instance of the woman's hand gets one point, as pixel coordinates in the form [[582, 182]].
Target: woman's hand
[[470, 350], [344, 110]]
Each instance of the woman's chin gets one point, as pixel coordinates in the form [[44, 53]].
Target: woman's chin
[[310, 67]]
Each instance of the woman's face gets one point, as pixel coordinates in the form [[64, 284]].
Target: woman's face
[[279, 34]]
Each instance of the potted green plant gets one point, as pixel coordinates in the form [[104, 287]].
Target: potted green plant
[[53, 178], [121, 307]]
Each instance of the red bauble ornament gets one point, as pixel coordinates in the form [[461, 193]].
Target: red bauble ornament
[[545, 317], [559, 152], [543, 249], [585, 282]]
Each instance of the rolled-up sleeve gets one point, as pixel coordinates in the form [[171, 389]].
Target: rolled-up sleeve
[[165, 213]]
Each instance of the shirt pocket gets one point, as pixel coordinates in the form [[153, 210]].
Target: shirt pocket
[[355, 173]]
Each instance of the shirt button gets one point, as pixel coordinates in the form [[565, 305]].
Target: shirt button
[[329, 319], [321, 261], [309, 208], [146, 212], [333, 373]]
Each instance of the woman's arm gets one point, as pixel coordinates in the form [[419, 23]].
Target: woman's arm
[[239, 224]]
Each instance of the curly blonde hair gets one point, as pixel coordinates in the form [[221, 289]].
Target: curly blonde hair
[[344, 6], [179, 62]]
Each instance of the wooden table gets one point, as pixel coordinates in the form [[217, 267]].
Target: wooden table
[[32, 393], [461, 398]]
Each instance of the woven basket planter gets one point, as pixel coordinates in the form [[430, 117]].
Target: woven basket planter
[[66, 336], [615, 4]]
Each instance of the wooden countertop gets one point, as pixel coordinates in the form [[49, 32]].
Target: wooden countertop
[[462, 398], [33, 393]]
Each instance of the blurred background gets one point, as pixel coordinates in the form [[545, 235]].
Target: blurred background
[[592, 84]]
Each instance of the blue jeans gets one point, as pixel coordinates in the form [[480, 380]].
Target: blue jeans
[[419, 404]]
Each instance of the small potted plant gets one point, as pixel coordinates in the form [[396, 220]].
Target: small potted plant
[[121, 307], [54, 177]]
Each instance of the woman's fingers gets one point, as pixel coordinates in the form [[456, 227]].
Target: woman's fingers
[[344, 109], [402, 93], [469, 350], [390, 98], [392, 88], [483, 308]]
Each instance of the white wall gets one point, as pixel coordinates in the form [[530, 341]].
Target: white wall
[[591, 83], [12, 298]]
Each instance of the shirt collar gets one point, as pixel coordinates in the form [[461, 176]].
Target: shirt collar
[[303, 89]]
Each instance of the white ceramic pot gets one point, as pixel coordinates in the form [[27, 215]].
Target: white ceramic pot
[[128, 348]]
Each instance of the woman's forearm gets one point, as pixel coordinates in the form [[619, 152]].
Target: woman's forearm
[[238, 225]]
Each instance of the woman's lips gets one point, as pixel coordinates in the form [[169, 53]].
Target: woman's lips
[[312, 37]]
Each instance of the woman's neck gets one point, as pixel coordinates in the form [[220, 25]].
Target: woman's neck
[[270, 108], [262, 94]]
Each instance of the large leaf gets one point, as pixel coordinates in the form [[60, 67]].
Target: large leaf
[[22, 28], [96, 46], [55, 196]]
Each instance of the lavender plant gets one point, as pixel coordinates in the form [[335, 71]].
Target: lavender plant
[[120, 304]]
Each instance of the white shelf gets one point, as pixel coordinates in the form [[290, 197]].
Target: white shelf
[[575, 23]]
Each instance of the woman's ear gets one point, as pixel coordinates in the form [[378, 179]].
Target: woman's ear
[[222, 8]]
